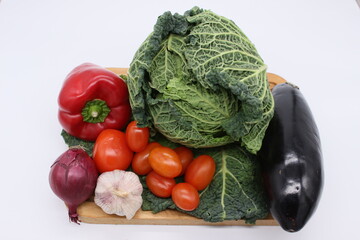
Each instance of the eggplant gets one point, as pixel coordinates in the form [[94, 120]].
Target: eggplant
[[291, 159]]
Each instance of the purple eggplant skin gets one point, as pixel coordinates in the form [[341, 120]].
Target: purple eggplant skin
[[291, 160]]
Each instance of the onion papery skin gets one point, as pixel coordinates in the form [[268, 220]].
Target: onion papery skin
[[73, 179]]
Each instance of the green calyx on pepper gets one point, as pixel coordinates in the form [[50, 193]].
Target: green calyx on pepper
[[93, 99], [95, 111]]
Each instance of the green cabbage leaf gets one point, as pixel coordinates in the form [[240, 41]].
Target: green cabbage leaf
[[236, 191], [199, 81]]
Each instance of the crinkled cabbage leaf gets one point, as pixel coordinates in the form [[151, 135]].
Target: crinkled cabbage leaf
[[199, 81], [236, 191]]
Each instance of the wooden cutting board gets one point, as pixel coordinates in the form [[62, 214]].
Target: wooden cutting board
[[89, 212]]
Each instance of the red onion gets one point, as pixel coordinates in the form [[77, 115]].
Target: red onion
[[73, 179]]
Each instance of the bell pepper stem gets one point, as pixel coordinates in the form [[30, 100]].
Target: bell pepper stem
[[95, 111]]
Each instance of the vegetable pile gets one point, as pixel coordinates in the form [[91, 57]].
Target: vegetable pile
[[235, 191], [188, 129]]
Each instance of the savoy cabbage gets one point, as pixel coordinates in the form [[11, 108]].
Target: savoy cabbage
[[200, 82], [236, 191]]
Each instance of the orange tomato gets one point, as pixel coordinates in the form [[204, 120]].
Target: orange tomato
[[165, 161], [140, 163], [200, 172]]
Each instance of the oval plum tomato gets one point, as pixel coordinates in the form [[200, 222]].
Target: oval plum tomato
[[186, 156], [140, 163], [200, 172], [160, 186], [137, 138], [111, 151], [165, 162], [185, 196]]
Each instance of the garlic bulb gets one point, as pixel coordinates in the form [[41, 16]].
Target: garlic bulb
[[119, 192]]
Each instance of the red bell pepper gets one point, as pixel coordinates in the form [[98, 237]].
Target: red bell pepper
[[92, 99]]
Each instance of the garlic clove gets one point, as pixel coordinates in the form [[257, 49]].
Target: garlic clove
[[119, 192]]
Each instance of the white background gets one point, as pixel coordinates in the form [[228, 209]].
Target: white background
[[314, 44]]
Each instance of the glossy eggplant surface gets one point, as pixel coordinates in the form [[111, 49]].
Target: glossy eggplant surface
[[291, 159]]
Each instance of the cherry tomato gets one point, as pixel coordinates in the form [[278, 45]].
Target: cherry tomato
[[111, 151], [185, 196], [160, 186], [140, 163], [200, 172], [165, 162], [137, 138], [186, 156]]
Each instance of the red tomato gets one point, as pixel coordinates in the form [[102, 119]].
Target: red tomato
[[200, 172], [111, 151], [160, 186], [140, 163], [137, 138], [186, 156], [165, 162], [185, 196]]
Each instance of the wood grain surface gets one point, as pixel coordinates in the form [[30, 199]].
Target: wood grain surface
[[89, 212]]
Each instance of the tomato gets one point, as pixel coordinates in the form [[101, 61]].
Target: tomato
[[111, 151], [160, 186], [186, 156], [140, 163], [136, 137], [165, 162], [185, 196], [200, 172]]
